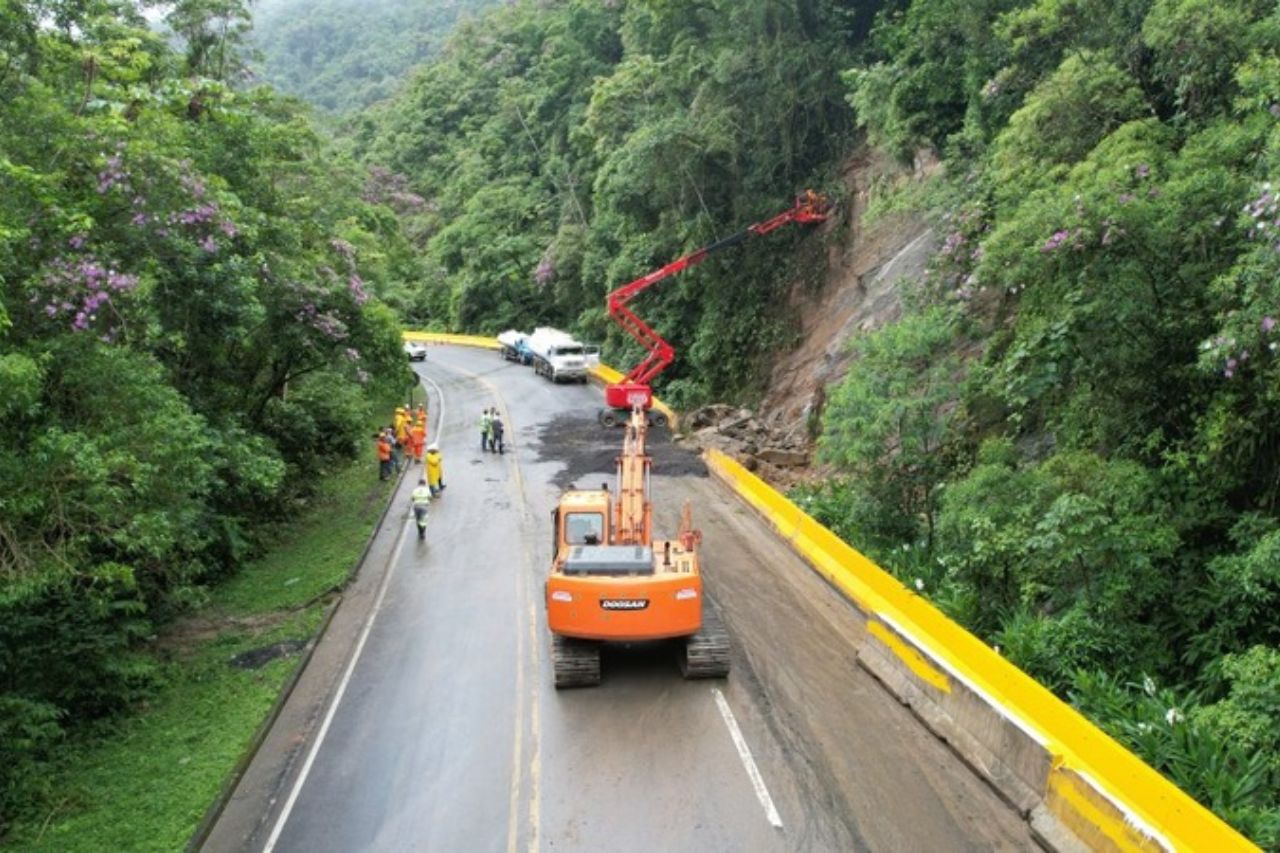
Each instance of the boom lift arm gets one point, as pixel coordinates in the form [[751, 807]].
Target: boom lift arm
[[635, 388]]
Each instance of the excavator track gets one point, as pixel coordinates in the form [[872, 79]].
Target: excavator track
[[706, 653], [576, 663]]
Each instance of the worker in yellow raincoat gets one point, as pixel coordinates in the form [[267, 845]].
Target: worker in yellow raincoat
[[435, 469]]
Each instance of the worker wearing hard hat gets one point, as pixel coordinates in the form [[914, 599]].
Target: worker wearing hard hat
[[420, 500], [418, 439], [496, 432], [384, 455], [435, 469]]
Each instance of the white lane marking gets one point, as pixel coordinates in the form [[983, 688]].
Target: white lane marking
[[744, 752], [351, 665], [337, 698]]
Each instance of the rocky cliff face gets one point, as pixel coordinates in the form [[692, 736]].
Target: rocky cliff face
[[868, 264]]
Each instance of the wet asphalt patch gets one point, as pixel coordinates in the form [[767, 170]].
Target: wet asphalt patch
[[585, 447]]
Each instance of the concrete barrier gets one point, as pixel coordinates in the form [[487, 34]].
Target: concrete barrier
[[1077, 786]]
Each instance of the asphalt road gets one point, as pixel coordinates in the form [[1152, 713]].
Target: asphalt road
[[446, 734]]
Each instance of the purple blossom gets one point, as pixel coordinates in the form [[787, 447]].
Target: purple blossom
[[546, 271], [1274, 109], [1142, 171], [356, 285], [343, 248], [139, 219], [324, 322], [228, 228], [113, 175], [392, 189], [193, 184], [1125, 198], [352, 354], [121, 282], [77, 241], [1268, 323], [1054, 242], [1228, 373], [209, 245], [954, 241]]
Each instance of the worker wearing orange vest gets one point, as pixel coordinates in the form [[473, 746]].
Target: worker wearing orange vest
[[418, 439], [422, 412], [384, 455]]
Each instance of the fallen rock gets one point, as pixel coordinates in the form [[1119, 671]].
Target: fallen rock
[[784, 458]]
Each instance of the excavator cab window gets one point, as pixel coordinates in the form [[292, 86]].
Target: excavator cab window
[[584, 528]]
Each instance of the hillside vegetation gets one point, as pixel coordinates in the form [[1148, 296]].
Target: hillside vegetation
[[1096, 492], [190, 332], [342, 55], [1070, 441]]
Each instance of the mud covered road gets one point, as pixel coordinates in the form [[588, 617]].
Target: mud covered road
[[427, 719]]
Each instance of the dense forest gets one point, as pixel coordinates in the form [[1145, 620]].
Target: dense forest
[[1096, 492], [1069, 441], [342, 55], [190, 331]]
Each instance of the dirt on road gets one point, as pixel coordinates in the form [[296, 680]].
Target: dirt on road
[[585, 447]]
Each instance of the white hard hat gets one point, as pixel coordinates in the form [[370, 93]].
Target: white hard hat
[[433, 446]]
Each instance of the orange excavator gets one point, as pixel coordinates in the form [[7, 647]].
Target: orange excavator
[[611, 581], [635, 388]]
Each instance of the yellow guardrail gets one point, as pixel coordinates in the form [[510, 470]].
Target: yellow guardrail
[[602, 372], [1106, 795], [456, 340]]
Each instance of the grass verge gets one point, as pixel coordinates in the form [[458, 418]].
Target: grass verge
[[143, 782]]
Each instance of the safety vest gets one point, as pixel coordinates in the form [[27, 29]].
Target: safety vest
[[485, 421], [421, 496], [384, 450]]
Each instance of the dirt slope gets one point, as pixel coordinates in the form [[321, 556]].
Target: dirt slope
[[868, 266]]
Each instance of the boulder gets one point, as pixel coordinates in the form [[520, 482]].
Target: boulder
[[784, 458]]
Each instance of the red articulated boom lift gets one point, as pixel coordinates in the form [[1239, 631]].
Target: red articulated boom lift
[[635, 389]]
